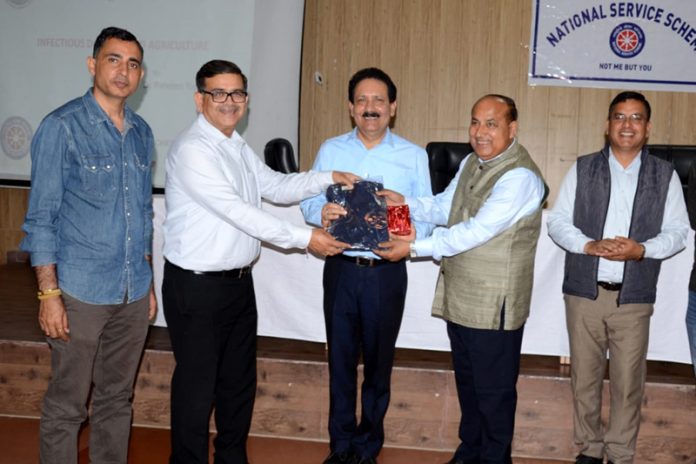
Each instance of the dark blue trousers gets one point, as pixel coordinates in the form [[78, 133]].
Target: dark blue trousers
[[486, 366], [363, 307]]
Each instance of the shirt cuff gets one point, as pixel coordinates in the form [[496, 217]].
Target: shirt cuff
[[413, 207], [423, 247], [325, 178], [303, 235], [42, 258], [579, 247], [649, 249]]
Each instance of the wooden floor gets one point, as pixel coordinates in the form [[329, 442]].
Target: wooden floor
[[18, 436]]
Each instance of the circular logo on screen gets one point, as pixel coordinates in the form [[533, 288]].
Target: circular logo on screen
[[627, 40], [18, 3], [15, 137]]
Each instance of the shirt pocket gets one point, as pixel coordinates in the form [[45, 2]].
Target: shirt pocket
[[98, 174], [142, 162], [143, 165]]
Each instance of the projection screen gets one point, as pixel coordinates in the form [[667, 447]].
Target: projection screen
[[44, 45]]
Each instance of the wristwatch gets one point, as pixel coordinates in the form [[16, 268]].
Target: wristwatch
[[642, 255], [412, 250]]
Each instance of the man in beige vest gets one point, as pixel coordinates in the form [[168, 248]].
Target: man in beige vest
[[492, 213]]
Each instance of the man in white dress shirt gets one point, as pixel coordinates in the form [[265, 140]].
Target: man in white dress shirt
[[492, 213], [212, 235], [619, 213]]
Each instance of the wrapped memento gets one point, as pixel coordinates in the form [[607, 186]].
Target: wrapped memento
[[365, 224], [399, 219]]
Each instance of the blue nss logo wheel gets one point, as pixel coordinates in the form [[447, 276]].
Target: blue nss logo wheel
[[627, 40]]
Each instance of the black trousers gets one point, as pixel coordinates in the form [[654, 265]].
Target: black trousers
[[486, 367], [212, 325], [363, 307]]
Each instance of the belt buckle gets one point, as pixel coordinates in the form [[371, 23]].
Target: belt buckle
[[610, 286], [364, 262]]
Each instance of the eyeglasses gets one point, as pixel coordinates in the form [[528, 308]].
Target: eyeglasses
[[220, 96], [635, 117]]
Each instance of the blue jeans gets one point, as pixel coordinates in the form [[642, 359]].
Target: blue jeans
[[691, 326]]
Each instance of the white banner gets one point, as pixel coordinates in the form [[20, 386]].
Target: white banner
[[649, 45]]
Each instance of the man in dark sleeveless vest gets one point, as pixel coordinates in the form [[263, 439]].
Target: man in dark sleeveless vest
[[619, 213], [492, 210], [691, 306]]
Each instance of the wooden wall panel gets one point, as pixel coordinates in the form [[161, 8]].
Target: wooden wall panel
[[444, 108], [444, 55], [561, 127], [13, 206]]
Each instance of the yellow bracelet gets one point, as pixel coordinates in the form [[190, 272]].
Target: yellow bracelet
[[48, 293]]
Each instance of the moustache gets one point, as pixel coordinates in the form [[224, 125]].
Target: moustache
[[227, 108], [370, 114]]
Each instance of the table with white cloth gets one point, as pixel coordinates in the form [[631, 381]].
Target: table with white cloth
[[289, 295]]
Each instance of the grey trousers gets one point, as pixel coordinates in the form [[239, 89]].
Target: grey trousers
[[595, 328], [105, 345]]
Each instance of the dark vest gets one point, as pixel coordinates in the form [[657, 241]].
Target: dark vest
[[590, 213]]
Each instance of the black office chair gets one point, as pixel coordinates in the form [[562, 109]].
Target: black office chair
[[681, 157], [443, 160], [279, 156]]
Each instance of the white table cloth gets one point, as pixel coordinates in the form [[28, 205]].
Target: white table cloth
[[289, 296]]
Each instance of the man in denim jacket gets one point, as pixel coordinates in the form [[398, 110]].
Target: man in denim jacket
[[89, 233]]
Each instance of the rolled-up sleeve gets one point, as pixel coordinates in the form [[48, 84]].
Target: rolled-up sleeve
[[48, 149]]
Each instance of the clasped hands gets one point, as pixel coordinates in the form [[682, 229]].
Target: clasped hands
[[615, 249]]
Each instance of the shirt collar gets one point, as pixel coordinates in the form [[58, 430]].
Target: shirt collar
[[388, 138], [217, 136], [98, 115], [634, 165], [510, 147]]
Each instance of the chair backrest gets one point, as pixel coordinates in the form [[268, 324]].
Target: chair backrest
[[681, 157], [279, 156], [444, 159]]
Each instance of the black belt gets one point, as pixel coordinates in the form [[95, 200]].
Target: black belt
[[361, 260], [610, 286], [226, 274]]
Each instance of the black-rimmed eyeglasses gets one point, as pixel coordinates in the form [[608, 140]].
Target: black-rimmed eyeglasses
[[220, 96]]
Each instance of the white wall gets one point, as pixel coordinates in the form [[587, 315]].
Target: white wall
[[274, 79]]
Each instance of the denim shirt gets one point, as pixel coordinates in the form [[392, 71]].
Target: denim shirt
[[90, 206]]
